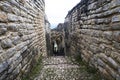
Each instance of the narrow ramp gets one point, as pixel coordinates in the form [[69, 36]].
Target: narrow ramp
[[61, 68]]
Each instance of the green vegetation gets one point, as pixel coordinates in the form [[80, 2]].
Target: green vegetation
[[85, 67], [34, 71]]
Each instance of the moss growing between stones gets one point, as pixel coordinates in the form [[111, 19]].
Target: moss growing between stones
[[84, 67], [34, 71]]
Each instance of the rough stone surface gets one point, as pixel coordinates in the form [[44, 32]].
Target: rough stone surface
[[92, 30], [22, 36], [62, 68]]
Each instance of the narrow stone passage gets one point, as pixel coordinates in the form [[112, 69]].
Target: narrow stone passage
[[62, 68]]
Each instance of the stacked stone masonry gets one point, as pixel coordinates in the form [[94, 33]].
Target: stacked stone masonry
[[22, 36], [92, 29], [48, 35]]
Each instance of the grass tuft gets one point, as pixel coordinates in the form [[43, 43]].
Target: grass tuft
[[34, 71], [85, 67]]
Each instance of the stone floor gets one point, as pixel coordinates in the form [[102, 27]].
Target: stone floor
[[61, 68]]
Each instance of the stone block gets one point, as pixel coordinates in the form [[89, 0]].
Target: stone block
[[116, 18], [92, 6], [3, 66], [16, 40], [116, 45], [111, 72], [108, 35], [6, 43], [115, 26], [116, 36], [3, 31], [13, 27], [17, 70], [17, 11], [113, 63], [3, 76], [115, 3], [6, 7], [3, 17], [14, 61], [12, 17]]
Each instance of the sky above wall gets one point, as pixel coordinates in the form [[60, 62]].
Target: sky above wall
[[56, 10]]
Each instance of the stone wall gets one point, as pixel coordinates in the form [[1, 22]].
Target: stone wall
[[92, 30], [22, 36], [48, 35]]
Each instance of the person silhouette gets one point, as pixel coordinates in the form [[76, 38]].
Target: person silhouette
[[55, 48]]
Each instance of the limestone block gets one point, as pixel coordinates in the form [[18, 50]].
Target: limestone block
[[106, 7], [92, 6], [6, 43], [3, 31], [113, 63], [3, 17], [108, 35], [115, 55], [23, 13], [23, 49], [3, 66], [22, 45], [13, 2], [116, 18], [105, 73], [115, 3], [6, 7], [13, 27], [116, 45], [103, 21], [95, 49], [116, 36], [14, 61], [101, 63], [15, 40], [25, 60], [103, 57], [17, 70], [116, 26], [111, 71], [3, 76], [12, 17]]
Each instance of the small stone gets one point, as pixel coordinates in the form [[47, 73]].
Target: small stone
[[3, 66], [3, 31], [6, 7], [16, 40], [13, 27], [116, 36], [3, 17], [12, 17], [116, 27], [108, 35], [113, 63], [101, 63], [6, 43], [116, 18]]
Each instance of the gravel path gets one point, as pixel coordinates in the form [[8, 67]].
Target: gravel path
[[61, 68]]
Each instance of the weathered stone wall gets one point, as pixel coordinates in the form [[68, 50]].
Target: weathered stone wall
[[92, 29], [48, 35], [22, 36]]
